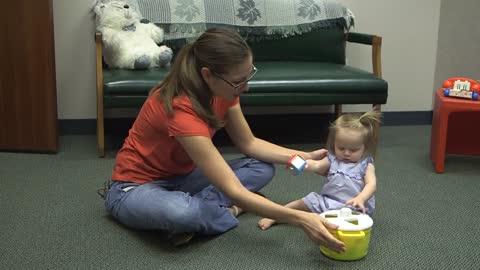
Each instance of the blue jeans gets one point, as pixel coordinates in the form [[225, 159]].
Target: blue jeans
[[187, 203]]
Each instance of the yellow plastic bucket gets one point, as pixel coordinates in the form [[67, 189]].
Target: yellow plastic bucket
[[354, 231]]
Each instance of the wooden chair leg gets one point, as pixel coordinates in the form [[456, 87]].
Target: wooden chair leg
[[376, 107], [100, 135], [338, 110], [100, 117]]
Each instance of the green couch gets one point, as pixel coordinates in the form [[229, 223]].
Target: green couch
[[300, 70]]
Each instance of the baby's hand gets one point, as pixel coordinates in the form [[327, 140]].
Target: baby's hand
[[357, 203]]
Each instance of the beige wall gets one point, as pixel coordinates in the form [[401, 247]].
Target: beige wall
[[75, 58], [410, 31], [458, 53]]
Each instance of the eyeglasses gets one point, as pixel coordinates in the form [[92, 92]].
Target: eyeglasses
[[238, 85]]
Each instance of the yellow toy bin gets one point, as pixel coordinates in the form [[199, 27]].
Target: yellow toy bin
[[353, 230]]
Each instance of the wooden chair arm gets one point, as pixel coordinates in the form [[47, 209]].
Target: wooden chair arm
[[376, 43]]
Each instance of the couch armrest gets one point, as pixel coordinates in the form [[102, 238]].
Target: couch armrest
[[99, 59], [376, 43]]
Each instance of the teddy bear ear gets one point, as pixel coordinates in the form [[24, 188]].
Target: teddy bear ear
[[97, 6], [98, 9]]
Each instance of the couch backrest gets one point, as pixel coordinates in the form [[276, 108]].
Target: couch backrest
[[325, 45]]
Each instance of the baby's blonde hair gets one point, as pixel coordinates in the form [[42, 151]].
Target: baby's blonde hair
[[367, 122]]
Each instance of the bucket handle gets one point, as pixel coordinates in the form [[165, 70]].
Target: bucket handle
[[359, 234]]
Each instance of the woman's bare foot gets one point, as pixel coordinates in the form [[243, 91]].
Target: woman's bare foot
[[265, 223], [235, 210]]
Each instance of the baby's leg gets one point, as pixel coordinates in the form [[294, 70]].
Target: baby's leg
[[266, 223]]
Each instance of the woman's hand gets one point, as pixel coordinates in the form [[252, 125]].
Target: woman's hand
[[316, 227], [318, 166], [317, 154], [312, 166]]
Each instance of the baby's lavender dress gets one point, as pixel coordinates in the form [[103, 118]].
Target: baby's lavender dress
[[344, 182]]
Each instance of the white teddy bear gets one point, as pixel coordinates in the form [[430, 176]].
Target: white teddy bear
[[129, 42]]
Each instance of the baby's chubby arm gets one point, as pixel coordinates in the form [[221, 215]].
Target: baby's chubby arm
[[368, 190], [318, 166]]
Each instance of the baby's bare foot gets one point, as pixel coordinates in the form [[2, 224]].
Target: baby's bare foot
[[265, 223]]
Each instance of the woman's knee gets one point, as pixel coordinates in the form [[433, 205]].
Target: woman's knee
[[168, 216], [261, 174], [266, 170], [183, 218]]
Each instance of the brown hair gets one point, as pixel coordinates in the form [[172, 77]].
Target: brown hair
[[367, 122], [218, 49]]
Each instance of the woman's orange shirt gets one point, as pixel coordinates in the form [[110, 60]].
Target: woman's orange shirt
[[151, 152]]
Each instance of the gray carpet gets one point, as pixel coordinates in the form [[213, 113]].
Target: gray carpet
[[52, 218]]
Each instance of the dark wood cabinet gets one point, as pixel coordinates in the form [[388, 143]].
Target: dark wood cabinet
[[28, 101]]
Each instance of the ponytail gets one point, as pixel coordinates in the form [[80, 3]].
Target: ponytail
[[217, 49], [184, 78]]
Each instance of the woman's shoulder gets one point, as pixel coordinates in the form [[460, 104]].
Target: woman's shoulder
[[182, 104], [182, 100]]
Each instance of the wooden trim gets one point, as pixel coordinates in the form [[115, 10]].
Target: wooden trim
[[100, 117], [28, 87], [377, 56]]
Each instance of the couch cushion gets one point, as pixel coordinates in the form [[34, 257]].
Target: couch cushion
[[131, 82], [129, 88], [313, 83], [276, 83]]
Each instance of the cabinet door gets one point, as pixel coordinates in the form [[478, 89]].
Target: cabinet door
[[28, 102]]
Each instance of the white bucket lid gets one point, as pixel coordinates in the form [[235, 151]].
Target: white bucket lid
[[348, 220]]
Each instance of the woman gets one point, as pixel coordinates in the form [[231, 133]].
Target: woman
[[169, 175]]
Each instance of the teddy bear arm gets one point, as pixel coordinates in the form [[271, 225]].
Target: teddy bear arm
[[108, 36], [155, 32]]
